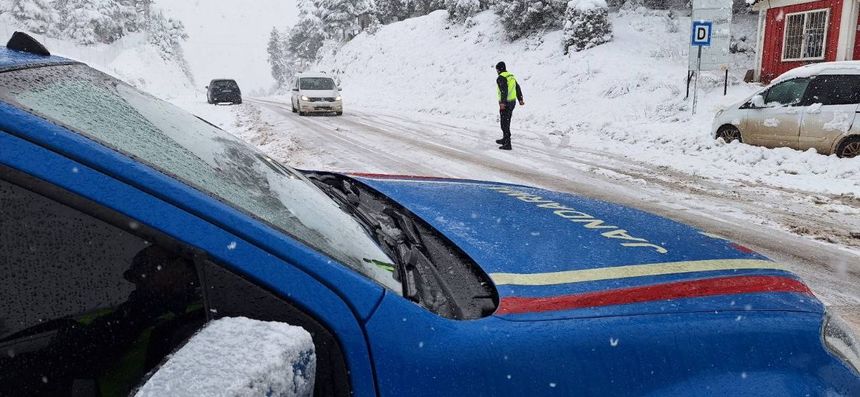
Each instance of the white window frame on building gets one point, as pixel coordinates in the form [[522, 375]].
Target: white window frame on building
[[806, 32]]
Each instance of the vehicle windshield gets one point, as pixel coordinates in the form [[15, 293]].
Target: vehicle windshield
[[316, 83], [209, 159]]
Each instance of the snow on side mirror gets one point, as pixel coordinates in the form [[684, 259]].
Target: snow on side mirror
[[238, 356], [757, 101]]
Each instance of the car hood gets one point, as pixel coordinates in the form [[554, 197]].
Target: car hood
[[553, 255]]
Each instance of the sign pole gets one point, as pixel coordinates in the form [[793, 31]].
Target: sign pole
[[696, 84], [726, 83]]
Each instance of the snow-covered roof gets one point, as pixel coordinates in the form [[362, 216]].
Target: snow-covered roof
[[843, 67], [312, 74]]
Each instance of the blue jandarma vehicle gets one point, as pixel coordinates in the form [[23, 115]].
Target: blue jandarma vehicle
[[127, 224]]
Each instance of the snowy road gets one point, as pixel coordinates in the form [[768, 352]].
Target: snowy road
[[785, 225]]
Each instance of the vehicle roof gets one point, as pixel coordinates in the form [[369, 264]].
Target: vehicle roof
[[11, 59], [312, 74], [214, 80], [823, 68]]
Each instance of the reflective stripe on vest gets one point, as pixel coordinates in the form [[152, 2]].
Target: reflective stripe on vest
[[512, 87]]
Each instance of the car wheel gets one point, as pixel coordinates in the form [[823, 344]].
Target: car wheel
[[849, 148], [338, 113], [729, 133], [301, 113]]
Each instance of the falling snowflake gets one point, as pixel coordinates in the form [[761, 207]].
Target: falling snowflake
[[231, 246], [613, 342]]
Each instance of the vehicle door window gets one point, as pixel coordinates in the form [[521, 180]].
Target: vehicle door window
[[87, 308], [834, 90], [787, 93]]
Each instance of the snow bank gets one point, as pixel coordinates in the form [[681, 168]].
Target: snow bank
[[131, 58], [239, 357], [625, 97]]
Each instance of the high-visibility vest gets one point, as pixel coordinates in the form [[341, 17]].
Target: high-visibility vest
[[512, 87]]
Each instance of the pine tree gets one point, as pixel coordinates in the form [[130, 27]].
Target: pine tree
[[278, 58], [461, 10], [98, 21], [389, 11], [523, 17], [36, 16], [306, 38], [586, 25]]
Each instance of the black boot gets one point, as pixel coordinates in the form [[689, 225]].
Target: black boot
[[500, 141], [506, 146]]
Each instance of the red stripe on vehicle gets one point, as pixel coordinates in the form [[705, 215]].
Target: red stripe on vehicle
[[394, 176], [668, 291]]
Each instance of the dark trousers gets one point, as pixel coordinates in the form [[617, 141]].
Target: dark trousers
[[506, 115]]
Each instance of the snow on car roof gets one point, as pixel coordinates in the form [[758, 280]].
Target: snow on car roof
[[312, 74], [843, 67]]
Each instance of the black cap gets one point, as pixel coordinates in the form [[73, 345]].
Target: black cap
[[500, 67]]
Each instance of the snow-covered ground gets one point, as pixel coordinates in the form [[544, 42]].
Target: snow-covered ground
[[625, 97]]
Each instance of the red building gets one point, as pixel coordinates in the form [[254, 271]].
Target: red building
[[794, 33]]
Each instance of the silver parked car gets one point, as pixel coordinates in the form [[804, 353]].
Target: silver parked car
[[815, 106], [315, 93]]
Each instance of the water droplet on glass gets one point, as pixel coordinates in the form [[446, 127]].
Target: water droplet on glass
[[613, 342], [551, 384]]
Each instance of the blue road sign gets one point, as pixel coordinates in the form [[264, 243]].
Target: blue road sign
[[701, 36]]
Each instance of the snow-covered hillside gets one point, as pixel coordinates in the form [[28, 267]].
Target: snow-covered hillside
[[624, 97], [132, 58]]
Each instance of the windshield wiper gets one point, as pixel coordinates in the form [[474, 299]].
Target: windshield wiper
[[399, 237]]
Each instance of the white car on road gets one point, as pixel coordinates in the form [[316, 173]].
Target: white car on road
[[814, 106], [315, 93]]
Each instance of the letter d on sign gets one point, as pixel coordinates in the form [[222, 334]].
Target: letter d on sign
[[701, 33]]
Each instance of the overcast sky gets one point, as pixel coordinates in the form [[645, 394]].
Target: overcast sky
[[228, 37]]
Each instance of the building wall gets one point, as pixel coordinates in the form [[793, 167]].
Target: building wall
[[772, 64], [857, 38]]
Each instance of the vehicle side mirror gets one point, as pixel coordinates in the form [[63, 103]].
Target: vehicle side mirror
[[287, 368], [207, 87], [339, 89], [757, 102]]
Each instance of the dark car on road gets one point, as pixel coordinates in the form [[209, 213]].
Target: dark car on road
[[222, 91]]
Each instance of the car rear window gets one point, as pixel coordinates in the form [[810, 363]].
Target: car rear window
[[225, 84]]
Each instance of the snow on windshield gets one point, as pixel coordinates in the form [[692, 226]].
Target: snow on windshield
[[193, 151]]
